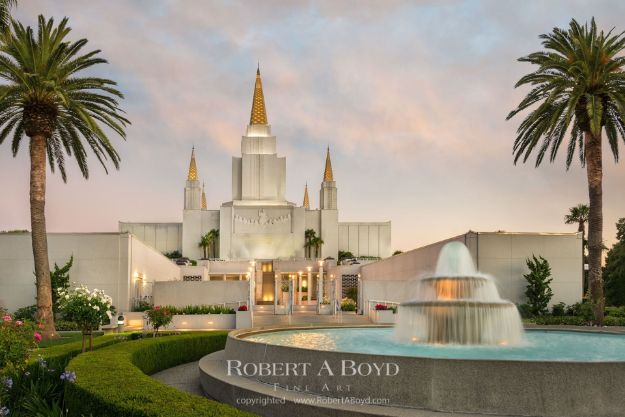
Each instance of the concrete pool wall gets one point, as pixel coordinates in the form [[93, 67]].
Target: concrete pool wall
[[471, 386]]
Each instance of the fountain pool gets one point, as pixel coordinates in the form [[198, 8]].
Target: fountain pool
[[538, 345]]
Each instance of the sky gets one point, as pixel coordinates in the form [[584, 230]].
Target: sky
[[411, 97]]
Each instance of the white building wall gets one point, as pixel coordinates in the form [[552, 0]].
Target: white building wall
[[107, 261], [197, 223], [164, 237], [365, 238], [499, 254], [329, 233], [183, 293], [101, 260]]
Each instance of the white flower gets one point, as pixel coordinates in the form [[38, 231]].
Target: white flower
[[96, 308], [67, 296]]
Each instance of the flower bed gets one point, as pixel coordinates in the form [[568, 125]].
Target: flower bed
[[115, 382]]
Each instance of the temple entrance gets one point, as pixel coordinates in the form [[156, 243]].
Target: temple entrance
[[268, 283]]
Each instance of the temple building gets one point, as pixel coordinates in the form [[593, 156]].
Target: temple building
[[259, 223]]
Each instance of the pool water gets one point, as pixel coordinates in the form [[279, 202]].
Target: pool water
[[537, 345]]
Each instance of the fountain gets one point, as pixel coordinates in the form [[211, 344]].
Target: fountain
[[458, 305], [456, 348]]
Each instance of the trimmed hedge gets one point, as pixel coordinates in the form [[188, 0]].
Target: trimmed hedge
[[114, 382]]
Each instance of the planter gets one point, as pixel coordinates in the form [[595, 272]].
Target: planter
[[243, 319], [202, 321], [383, 316], [325, 309]]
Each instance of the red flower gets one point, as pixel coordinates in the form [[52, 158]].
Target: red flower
[[243, 308], [381, 307], [7, 318], [37, 337], [157, 308]]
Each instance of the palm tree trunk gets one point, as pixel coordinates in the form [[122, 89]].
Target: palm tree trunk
[[594, 171], [39, 235]]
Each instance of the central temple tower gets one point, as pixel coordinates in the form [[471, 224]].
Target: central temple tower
[[259, 175]]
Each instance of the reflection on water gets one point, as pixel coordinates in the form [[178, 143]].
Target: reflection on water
[[537, 345]]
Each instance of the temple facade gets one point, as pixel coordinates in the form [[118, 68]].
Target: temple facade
[[260, 223]]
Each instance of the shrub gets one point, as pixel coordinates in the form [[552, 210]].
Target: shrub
[[37, 390], [558, 309], [66, 325], [25, 313], [200, 309], [538, 291], [561, 320], [614, 321], [525, 311], [86, 308], [98, 390], [615, 311], [347, 304], [17, 341], [142, 305], [159, 317], [59, 278], [583, 310], [352, 293]]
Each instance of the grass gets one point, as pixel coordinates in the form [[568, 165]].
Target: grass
[[66, 337]]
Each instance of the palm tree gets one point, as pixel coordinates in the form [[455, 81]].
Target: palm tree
[[5, 14], [580, 86], [45, 98], [579, 215], [214, 241], [317, 242], [205, 242], [309, 235]]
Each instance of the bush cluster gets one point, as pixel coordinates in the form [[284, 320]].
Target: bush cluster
[[578, 314], [347, 304], [200, 309], [37, 390], [98, 391]]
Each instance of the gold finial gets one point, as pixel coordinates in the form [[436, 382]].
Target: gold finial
[[203, 198], [328, 175], [306, 199], [192, 176], [259, 113]]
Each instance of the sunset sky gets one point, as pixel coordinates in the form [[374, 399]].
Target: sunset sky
[[410, 96]]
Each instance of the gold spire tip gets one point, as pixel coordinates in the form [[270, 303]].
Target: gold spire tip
[[258, 115]]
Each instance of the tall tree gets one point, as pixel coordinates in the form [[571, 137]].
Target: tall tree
[[578, 215], [579, 90], [317, 242], [309, 236], [620, 229], [204, 243], [45, 98], [5, 13], [614, 275]]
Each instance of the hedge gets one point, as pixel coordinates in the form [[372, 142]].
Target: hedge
[[114, 382]]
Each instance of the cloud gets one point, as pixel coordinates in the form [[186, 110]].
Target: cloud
[[411, 97]]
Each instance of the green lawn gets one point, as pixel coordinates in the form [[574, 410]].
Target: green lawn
[[66, 337]]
